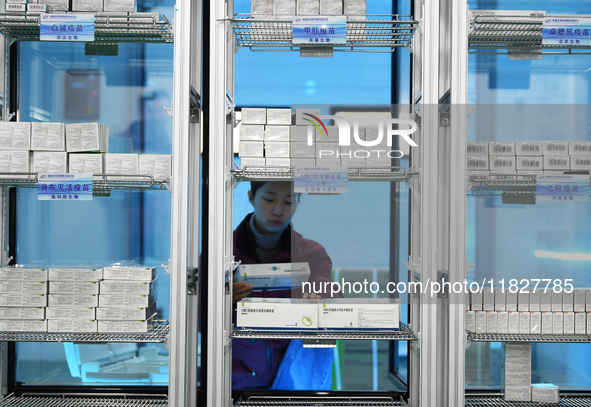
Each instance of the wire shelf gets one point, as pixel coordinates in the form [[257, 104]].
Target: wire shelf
[[481, 337], [269, 173], [101, 182], [565, 401], [157, 332], [271, 401], [404, 334], [79, 401], [364, 33], [494, 33], [25, 27]]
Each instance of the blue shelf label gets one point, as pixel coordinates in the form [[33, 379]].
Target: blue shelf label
[[323, 30], [64, 187], [67, 27], [572, 188], [566, 31], [321, 180]]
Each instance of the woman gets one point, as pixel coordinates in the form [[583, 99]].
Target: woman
[[266, 236]]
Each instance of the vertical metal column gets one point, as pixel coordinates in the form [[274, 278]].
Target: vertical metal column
[[180, 391]]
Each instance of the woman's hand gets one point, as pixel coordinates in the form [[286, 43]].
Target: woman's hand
[[307, 296], [240, 290]]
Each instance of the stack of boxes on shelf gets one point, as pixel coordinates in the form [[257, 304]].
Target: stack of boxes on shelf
[[529, 312], [280, 9], [527, 158], [115, 10], [66, 300], [58, 148]]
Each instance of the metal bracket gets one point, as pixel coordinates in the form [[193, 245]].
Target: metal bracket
[[441, 277], [320, 343], [170, 110], [229, 103], [195, 105], [166, 267], [192, 280], [471, 110], [231, 266], [469, 267], [444, 109], [168, 185]]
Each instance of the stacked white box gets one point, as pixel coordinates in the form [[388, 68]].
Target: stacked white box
[[276, 313], [308, 7], [477, 163], [15, 136], [50, 162], [252, 162], [529, 163], [277, 133], [488, 300], [568, 300], [503, 322], [124, 164], [554, 148], [558, 323], [279, 116], [87, 5], [85, 163], [251, 149], [358, 314], [579, 301], [514, 321], [119, 5], [524, 322], [22, 313], [523, 300], [512, 300], [256, 115], [517, 372], [528, 148], [535, 303], [71, 326], [48, 136], [582, 162], [476, 300], [23, 297], [331, 7], [556, 300], [500, 300], [556, 162], [545, 393], [580, 323], [546, 300], [264, 7], [502, 163], [569, 323], [471, 321], [479, 148], [480, 322], [579, 148], [24, 325], [536, 322], [547, 323], [252, 132], [15, 161], [492, 322], [87, 137], [283, 9], [159, 166], [72, 300], [496, 148]]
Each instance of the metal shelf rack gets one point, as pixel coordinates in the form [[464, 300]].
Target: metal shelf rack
[[157, 333], [23, 27], [320, 402], [520, 34], [472, 401], [548, 338], [404, 334], [31, 400], [366, 33]]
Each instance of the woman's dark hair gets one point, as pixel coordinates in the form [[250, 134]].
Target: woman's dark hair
[[256, 185]]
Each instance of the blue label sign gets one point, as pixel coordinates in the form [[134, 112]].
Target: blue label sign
[[321, 180], [64, 187], [316, 30], [67, 27], [566, 31], [572, 188]]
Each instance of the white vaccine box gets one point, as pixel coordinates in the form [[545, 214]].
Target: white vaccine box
[[582, 162], [568, 301], [73, 274], [477, 163], [257, 115], [23, 300], [514, 321], [85, 163], [545, 393], [503, 322], [354, 10], [546, 300], [488, 300], [476, 300], [528, 148], [360, 314], [524, 322], [530, 163], [87, 5], [252, 132], [15, 161], [569, 323], [50, 162], [308, 7], [303, 115], [328, 162], [500, 300], [72, 300], [589, 323], [278, 162], [86, 137], [300, 133], [301, 149], [119, 5], [502, 163], [23, 287], [511, 300], [331, 7], [535, 302], [327, 150], [276, 314], [279, 116], [277, 149], [277, 133], [556, 162], [261, 7], [477, 148], [557, 323], [25, 325], [126, 313], [73, 287], [536, 322], [283, 9], [517, 372], [477, 175], [12, 7], [332, 134], [56, 5], [579, 148], [471, 321], [71, 325], [547, 323], [122, 164], [252, 162], [580, 323], [303, 162], [274, 275], [15, 135], [159, 166], [523, 300], [554, 148], [250, 149], [492, 322], [120, 300], [129, 273], [579, 301], [70, 313], [48, 136], [496, 148], [128, 287], [556, 301], [122, 326], [22, 274], [481, 322], [22, 312]]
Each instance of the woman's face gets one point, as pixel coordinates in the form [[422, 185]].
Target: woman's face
[[274, 205]]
